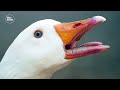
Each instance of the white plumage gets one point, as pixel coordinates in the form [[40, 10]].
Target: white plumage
[[30, 57]]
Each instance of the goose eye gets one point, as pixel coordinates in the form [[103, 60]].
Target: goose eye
[[38, 34]]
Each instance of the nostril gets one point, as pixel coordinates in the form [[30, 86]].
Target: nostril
[[77, 24]]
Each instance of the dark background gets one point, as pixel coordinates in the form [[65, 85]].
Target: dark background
[[101, 66]]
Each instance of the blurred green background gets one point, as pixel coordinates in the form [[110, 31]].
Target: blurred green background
[[98, 66]]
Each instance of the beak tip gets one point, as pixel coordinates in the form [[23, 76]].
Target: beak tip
[[99, 18], [107, 46]]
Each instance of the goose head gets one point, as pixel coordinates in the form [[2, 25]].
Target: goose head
[[47, 46]]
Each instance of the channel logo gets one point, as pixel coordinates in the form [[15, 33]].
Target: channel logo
[[9, 18]]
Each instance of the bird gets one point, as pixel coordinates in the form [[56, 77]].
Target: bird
[[47, 46]]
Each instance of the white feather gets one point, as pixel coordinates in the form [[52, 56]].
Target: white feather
[[29, 57]]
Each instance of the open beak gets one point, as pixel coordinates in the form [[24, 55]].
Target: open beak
[[72, 32]]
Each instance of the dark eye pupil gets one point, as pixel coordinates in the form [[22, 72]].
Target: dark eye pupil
[[38, 34]]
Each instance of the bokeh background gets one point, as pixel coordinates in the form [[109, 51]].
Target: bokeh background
[[98, 66]]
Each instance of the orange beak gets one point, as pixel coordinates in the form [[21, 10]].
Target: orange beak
[[71, 32]]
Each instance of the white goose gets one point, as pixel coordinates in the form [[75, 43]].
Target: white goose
[[47, 46]]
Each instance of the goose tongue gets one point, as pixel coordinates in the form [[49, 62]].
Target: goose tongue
[[86, 49]]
